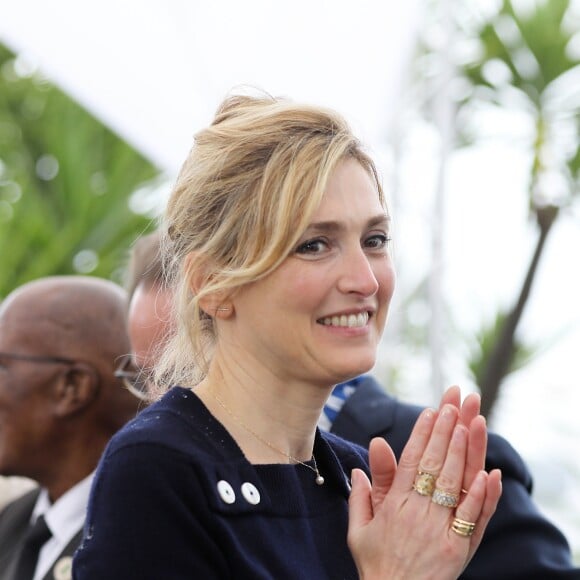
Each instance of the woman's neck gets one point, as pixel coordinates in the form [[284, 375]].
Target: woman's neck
[[271, 421]]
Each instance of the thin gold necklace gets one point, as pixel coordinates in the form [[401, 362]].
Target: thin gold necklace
[[319, 479]]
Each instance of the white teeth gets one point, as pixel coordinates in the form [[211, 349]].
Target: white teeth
[[350, 320]]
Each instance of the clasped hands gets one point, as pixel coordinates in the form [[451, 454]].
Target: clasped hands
[[425, 517]]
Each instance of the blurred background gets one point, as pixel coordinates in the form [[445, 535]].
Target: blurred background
[[471, 109]]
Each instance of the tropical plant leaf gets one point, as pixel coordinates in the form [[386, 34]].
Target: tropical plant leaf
[[65, 183]]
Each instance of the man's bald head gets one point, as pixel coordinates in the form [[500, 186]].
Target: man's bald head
[[74, 316], [61, 339]]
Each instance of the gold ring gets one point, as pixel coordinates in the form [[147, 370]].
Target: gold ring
[[463, 528], [445, 498], [424, 483]]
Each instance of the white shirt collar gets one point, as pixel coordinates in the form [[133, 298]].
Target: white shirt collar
[[64, 518]]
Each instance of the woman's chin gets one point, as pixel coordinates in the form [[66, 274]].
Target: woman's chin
[[352, 371]]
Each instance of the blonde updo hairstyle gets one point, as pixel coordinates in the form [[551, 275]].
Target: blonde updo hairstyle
[[244, 196]]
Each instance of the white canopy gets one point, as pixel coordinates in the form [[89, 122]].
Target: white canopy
[[155, 70]]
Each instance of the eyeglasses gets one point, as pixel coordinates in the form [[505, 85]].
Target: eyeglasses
[[37, 358], [134, 380]]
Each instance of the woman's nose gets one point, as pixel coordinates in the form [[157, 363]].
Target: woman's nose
[[357, 274]]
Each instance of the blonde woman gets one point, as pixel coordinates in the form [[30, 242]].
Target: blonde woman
[[277, 237]]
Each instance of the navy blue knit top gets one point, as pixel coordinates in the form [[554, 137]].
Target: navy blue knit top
[[175, 498]]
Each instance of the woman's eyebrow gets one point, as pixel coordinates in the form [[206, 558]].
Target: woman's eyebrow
[[333, 226], [380, 220]]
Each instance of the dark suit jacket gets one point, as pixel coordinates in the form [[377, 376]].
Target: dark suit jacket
[[519, 542], [14, 520]]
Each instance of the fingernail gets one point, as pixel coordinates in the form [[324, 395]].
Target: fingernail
[[428, 414]]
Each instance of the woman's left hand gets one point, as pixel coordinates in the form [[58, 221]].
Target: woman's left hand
[[391, 522]]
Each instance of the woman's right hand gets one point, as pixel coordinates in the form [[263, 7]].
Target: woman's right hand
[[397, 532]]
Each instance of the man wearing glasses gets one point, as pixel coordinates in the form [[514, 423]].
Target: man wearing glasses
[[61, 339], [150, 318]]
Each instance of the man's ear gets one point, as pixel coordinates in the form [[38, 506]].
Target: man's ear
[[216, 304], [78, 387]]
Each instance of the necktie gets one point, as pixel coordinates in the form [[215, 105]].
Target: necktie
[[34, 539]]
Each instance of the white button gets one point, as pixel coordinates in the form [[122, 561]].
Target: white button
[[251, 494], [226, 491]]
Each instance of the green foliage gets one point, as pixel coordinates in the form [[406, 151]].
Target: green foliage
[[531, 43], [487, 337], [65, 183], [519, 62], [525, 64]]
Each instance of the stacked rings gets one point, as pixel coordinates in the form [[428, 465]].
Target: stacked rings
[[424, 483], [462, 527], [445, 498]]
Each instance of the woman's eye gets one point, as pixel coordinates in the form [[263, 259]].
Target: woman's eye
[[377, 241], [312, 247]]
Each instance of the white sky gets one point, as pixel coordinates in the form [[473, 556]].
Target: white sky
[[157, 69]]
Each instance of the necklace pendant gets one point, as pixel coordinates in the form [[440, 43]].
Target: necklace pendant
[[319, 480]]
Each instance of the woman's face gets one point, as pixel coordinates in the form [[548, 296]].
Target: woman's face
[[321, 314]]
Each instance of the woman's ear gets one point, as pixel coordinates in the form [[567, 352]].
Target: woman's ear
[[195, 272], [224, 310], [214, 304]]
